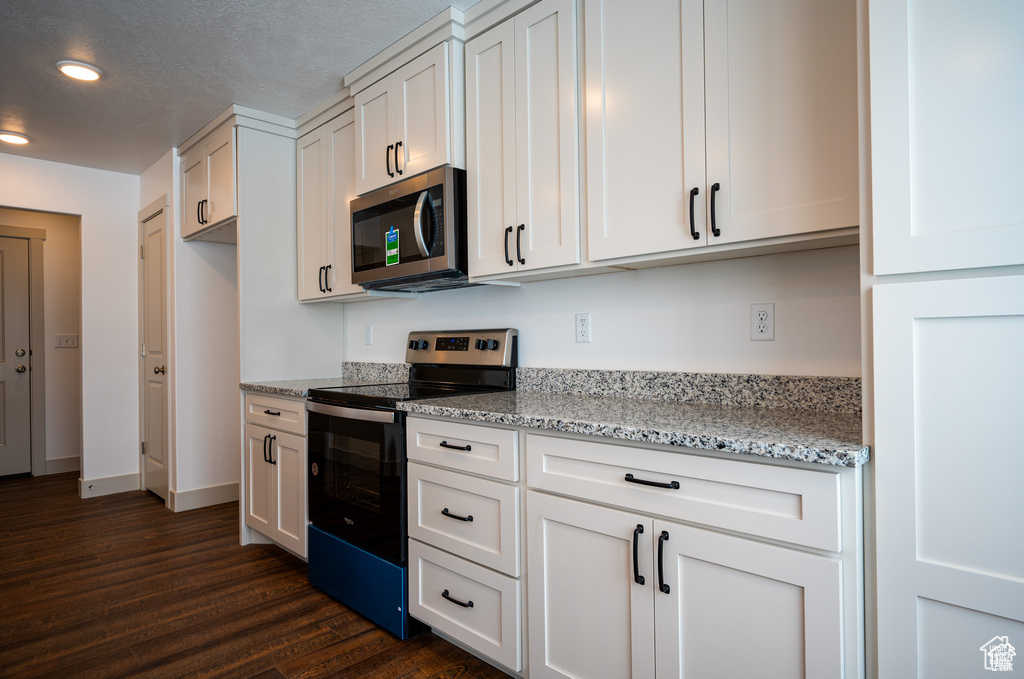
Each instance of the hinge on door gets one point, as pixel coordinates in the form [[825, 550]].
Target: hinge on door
[[142, 446], [142, 252], [143, 350]]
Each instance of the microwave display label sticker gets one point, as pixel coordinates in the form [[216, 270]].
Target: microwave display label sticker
[[391, 249]]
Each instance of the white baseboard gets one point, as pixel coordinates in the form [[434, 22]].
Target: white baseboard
[[182, 501], [108, 485], [62, 465]]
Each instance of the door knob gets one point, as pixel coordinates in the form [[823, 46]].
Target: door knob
[[159, 370], [20, 369], [19, 353]]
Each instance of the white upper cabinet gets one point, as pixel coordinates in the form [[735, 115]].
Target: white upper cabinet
[[747, 128], [208, 185], [403, 122], [522, 148], [311, 220], [947, 146], [325, 166]]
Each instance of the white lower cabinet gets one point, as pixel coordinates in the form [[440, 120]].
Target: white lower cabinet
[[465, 555], [619, 594], [654, 586], [275, 477]]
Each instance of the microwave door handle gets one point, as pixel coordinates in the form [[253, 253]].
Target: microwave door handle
[[417, 221]]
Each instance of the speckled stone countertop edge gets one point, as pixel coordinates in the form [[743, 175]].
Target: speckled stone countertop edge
[[843, 455], [298, 388]]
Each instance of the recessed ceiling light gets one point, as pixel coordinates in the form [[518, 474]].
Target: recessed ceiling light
[[13, 138], [79, 70]]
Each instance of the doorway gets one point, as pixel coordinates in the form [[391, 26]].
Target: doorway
[[55, 371], [15, 359], [153, 354]]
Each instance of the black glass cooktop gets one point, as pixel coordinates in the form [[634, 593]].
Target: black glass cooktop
[[387, 395]]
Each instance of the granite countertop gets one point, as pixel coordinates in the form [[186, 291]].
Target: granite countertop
[[294, 387], [781, 433]]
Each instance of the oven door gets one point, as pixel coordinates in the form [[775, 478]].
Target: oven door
[[356, 477]]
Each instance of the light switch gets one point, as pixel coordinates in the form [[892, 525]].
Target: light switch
[[66, 341]]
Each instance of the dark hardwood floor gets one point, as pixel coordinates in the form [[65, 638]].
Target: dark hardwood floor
[[119, 586]]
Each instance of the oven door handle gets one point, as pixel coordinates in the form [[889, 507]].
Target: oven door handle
[[352, 413]]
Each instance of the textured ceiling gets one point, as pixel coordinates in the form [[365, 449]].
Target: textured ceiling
[[171, 66]]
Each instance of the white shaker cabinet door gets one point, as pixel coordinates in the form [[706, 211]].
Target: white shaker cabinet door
[[588, 617], [423, 119], [947, 147], [375, 135], [730, 607], [260, 486], [948, 370], [547, 184], [288, 457], [220, 175], [341, 174], [781, 88], [644, 92], [193, 190], [311, 169], [490, 151]]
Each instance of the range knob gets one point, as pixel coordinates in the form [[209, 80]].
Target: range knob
[[418, 344], [486, 345], [492, 344], [481, 344]]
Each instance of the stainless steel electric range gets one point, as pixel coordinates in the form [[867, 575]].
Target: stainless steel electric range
[[357, 467]]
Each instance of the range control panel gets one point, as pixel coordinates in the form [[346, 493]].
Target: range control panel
[[462, 347]]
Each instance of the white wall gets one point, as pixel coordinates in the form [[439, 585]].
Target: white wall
[[108, 203], [692, 318], [62, 314], [205, 437]]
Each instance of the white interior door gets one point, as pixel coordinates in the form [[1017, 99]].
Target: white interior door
[[153, 318], [15, 420]]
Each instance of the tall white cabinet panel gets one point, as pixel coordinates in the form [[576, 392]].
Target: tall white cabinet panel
[[947, 149], [948, 368], [522, 134], [714, 590], [645, 125], [781, 87], [589, 616]]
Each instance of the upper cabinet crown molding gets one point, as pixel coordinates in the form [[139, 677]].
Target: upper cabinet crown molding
[[446, 26], [947, 153]]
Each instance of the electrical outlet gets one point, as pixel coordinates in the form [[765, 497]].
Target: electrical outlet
[[367, 334], [762, 322], [583, 328]]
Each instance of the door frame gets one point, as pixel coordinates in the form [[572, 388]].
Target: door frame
[[159, 208], [36, 345]]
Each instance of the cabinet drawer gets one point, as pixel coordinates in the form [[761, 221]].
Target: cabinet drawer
[[465, 447], [491, 538], [491, 626], [782, 503], [283, 414]]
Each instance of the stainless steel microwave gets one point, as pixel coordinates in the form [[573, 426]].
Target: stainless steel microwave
[[411, 236]]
